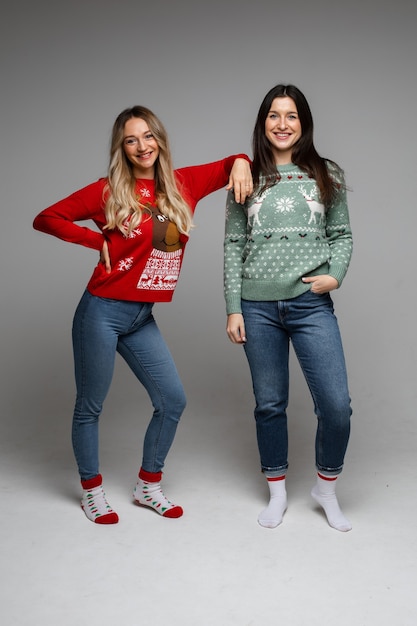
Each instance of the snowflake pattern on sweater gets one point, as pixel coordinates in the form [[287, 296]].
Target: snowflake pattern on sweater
[[146, 262], [283, 235]]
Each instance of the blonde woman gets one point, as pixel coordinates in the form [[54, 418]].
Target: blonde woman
[[143, 211]]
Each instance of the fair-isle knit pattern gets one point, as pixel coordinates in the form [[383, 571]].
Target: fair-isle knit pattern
[[143, 268], [282, 235]]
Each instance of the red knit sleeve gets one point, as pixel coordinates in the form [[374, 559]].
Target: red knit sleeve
[[198, 181], [85, 204]]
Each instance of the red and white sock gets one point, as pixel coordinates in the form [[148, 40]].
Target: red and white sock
[[148, 492], [324, 492], [274, 512], [94, 502]]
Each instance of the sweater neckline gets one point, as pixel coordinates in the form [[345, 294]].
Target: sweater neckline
[[288, 167], [145, 181]]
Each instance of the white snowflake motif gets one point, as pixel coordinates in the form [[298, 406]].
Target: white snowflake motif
[[285, 205], [125, 264], [145, 193], [135, 233]]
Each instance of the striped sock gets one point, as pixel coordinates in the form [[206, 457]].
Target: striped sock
[[324, 492], [274, 512]]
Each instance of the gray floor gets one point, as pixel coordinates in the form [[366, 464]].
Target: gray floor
[[215, 566]]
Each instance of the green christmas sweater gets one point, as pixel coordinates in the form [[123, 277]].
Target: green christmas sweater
[[275, 239]]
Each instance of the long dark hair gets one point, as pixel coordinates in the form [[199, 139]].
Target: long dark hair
[[304, 153]]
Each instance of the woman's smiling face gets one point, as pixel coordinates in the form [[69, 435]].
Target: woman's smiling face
[[140, 147], [283, 128]]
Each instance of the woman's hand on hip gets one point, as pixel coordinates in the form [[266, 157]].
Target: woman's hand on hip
[[236, 328], [105, 257]]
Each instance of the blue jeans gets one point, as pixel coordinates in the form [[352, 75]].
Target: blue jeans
[[309, 323], [101, 327]]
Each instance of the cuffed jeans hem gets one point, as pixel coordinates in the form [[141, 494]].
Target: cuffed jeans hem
[[328, 471], [274, 473]]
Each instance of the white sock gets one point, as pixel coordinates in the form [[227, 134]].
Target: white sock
[[324, 492], [149, 493], [94, 502], [274, 512]]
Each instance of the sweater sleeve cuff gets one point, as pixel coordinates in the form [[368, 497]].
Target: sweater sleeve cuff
[[233, 305], [338, 273], [96, 241], [243, 156], [232, 158]]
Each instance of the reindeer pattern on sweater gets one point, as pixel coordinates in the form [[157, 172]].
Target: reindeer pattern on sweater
[[282, 235]]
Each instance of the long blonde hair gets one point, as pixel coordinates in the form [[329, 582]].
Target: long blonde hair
[[124, 209]]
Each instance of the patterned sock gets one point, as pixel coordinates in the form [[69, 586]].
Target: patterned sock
[[274, 512], [148, 492], [94, 503], [324, 492]]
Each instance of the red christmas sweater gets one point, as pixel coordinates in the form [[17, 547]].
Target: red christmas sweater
[[145, 265]]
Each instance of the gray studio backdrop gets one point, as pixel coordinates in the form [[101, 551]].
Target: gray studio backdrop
[[67, 70]]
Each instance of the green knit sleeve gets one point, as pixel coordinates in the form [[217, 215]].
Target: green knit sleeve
[[234, 244], [339, 233]]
